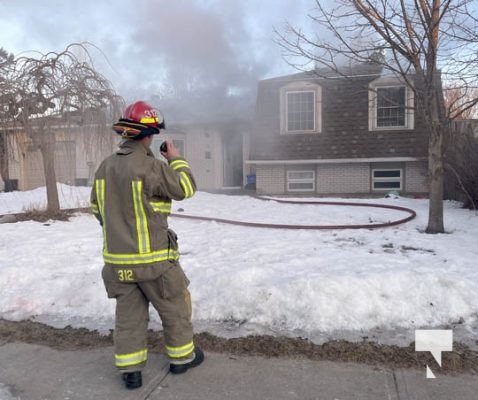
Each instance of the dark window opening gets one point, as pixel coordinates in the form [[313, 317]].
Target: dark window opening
[[391, 106]]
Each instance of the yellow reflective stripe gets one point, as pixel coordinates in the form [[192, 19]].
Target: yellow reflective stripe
[[186, 184], [177, 164], [149, 120], [94, 208], [177, 352], [124, 360], [144, 258], [100, 194], [141, 220], [100, 198], [161, 206], [162, 210]]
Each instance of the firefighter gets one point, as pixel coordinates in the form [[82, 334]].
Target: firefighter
[[131, 198]]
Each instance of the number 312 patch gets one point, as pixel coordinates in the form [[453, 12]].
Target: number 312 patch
[[125, 275]]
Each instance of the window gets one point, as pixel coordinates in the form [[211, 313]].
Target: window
[[179, 144], [391, 105], [300, 111], [300, 108], [177, 139], [387, 179], [301, 181]]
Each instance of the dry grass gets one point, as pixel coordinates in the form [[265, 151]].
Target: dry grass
[[44, 215], [460, 360]]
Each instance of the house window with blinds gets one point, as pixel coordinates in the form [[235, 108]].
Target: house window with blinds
[[391, 107], [300, 111]]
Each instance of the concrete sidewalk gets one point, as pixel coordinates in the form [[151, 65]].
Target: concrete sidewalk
[[31, 372]]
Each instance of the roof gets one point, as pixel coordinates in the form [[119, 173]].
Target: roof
[[357, 70]]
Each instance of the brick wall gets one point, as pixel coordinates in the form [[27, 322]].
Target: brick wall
[[270, 179], [416, 177], [343, 178]]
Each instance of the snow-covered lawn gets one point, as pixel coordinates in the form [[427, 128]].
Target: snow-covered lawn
[[381, 283]]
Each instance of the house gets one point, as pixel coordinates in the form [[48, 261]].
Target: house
[[78, 151], [353, 133], [213, 149]]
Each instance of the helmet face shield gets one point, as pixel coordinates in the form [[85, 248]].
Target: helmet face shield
[[161, 123]]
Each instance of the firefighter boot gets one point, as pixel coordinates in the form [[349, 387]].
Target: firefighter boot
[[180, 368], [133, 380]]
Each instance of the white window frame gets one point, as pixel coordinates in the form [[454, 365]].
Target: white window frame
[[300, 180], [401, 108], [398, 179], [287, 111], [170, 137], [388, 83], [184, 145], [300, 87]]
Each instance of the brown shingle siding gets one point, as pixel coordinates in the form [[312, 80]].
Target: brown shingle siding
[[345, 132]]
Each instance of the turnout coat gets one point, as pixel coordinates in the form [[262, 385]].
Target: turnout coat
[[131, 198]]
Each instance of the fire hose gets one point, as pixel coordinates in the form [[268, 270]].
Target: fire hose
[[411, 215]]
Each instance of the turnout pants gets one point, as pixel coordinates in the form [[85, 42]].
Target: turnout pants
[[170, 297]]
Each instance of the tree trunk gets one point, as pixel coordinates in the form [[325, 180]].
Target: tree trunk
[[3, 158], [435, 172], [47, 148], [433, 109]]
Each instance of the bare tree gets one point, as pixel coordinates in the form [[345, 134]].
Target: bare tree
[[461, 162], [460, 102], [6, 90], [426, 41], [461, 145], [49, 89]]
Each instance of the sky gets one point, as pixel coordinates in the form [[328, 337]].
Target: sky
[[159, 47], [194, 58], [322, 285]]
